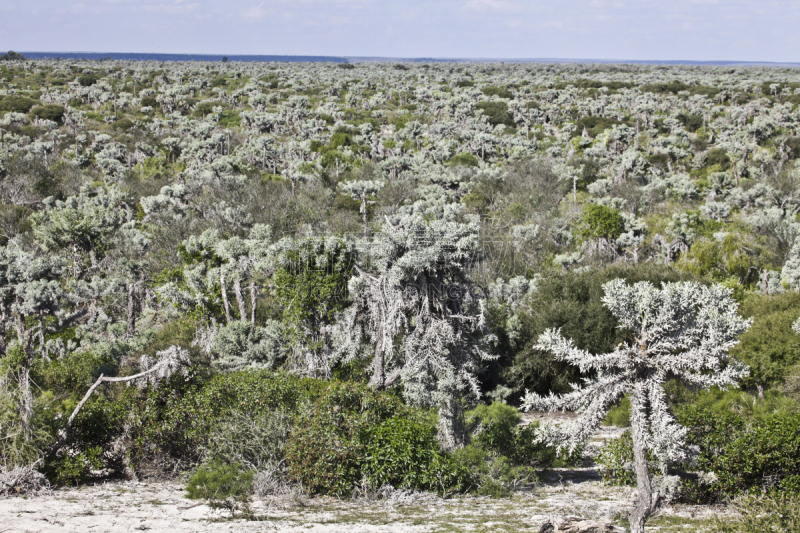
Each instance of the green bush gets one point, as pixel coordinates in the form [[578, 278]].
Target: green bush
[[51, 112], [570, 301], [500, 92], [495, 476], [762, 513], [324, 451], [87, 80], [405, 454], [620, 415], [764, 457], [149, 101], [770, 347], [601, 222], [225, 486], [16, 104], [744, 453], [496, 113], [464, 160]]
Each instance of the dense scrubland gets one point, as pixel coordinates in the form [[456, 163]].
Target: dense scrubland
[[333, 278]]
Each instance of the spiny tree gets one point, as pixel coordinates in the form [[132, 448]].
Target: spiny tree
[[417, 317], [682, 331]]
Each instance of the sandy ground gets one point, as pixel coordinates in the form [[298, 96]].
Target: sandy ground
[[133, 506]]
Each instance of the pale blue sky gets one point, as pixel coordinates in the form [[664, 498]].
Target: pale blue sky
[[598, 29]]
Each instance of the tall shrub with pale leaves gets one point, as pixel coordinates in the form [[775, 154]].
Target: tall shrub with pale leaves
[[682, 331]]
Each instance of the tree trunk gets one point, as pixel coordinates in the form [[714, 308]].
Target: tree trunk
[[237, 290], [3, 335], [252, 303], [224, 291], [131, 329], [644, 504]]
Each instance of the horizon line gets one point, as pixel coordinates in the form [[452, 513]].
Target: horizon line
[[353, 58]]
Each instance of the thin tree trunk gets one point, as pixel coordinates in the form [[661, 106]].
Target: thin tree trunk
[[3, 335], [252, 303], [131, 330], [224, 291], [237, 290], [645, 504]]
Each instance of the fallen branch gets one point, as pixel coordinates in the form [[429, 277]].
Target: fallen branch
[[171, 360]]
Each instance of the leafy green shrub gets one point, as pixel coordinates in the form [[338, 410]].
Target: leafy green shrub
[[718, 156], [205, 108], [594, 125], [464, 160], [75, 468], [405, 454], [766, 456], [16, 104], [500, 92], [601, 222], [226, 486], [496, 113], [149, 101], [173, 423], [494, 475], [744, 453], [324, 451], [772, 512], [88, 452], [51, 112], [770, 347], [87, 80]]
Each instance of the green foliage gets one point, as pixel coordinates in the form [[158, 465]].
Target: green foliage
[[770, 347], [205, 108], [16, 104], [733, 257], [174, 423], [87, 80], [744, 453], [691, 123], [500, 92], [311, 286], [594, 125], [123, 124], [324, 451], [496, 113], [405, 454], [88, 449], [12, 56], [149, 101], [772, 512], [620, 415], [615, 461], [765, 456], [223, 485], [219, 81], [674, 87], [718, 156], [51, 112], [570, 301], [465, 160], [601, 222]]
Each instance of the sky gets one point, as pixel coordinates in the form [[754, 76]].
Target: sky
[[697, 30]]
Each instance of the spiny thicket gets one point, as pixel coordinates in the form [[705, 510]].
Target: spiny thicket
[[441, 233]]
